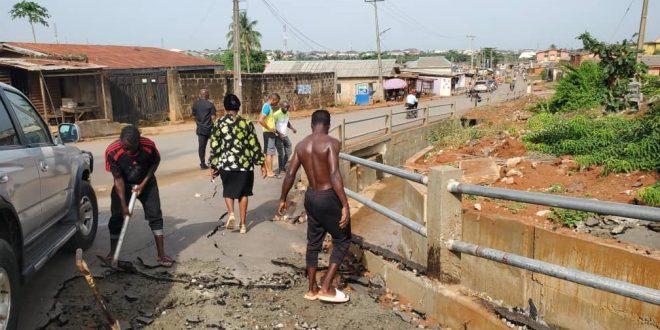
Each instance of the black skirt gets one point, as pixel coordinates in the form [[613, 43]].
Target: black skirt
[[237, 184]]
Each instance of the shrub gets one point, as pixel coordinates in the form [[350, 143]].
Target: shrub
[[580, 88], [650, 85]]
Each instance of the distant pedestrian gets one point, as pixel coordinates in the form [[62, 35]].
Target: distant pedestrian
[[204, 112], [267, 121], [283, 143], [133, 161], [235, 150]]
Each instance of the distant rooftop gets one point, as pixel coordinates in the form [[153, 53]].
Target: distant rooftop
[[341, 68], [112, 57]]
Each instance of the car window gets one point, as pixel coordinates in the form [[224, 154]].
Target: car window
[[33, 127], [8, 135]]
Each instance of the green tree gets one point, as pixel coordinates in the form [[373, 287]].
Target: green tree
[[619, 64], [35, 14], [257, 60], [250, 38]]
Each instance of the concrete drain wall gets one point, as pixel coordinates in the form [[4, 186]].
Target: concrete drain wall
[[563, 304]]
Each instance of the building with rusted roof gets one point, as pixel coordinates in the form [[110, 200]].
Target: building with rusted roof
[[74, 82]]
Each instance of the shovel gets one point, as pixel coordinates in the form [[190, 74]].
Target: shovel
[[120, 242], [82, 266]]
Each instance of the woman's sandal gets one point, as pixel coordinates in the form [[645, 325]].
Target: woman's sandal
[[165, 261], [230, 222], [243, 229]]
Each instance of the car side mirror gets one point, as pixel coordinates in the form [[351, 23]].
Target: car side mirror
[[69, 133]]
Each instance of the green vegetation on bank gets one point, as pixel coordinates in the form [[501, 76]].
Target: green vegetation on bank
[[620, 144], [650, 195]]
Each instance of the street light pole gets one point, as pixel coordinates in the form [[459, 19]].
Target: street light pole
[[471, 37], [237, 53], [380, 63]]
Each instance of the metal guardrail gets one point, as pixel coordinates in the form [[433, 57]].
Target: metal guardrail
[[414, 177], [404, 221], [565, 202], [572, 275], [623, 288]]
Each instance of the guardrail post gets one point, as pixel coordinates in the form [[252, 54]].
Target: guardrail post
[[453, 107], [342, 133], [444, 223], [389, 122], [426, 116]]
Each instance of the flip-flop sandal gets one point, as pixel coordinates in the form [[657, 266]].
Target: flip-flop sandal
[[312, 297], [243, 229], [339, 297], [166, 261]]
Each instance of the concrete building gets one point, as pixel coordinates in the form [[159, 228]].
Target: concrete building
[[131, 83], [652, 47], [552, 56], [435, 75], [653, 62], [357, 80], [576, 58]]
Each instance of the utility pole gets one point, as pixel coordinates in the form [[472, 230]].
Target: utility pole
[[642, 25], [237, 54], [491, 58], [380, 63], [57, 40], [471, 37], [286, 37]]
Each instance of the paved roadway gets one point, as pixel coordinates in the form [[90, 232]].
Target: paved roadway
[[190, 214]]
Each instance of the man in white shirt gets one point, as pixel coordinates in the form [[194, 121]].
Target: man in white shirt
[[282, 142], [411, 100]]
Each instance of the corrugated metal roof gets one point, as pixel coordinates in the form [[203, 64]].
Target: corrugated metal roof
[[651, 60], [341, 68], [35, 64], [117, 57], [429, 62]]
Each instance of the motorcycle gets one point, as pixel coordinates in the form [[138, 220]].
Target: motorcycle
[[411, 111]]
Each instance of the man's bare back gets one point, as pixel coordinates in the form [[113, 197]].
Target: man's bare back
[[315, 152]]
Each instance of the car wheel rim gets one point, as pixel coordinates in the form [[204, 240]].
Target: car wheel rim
[[5, 299], [86, 216]]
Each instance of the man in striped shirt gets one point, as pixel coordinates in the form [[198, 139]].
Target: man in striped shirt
[[133, 160]]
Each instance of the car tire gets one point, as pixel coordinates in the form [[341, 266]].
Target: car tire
[[88, 219], [9, 285]]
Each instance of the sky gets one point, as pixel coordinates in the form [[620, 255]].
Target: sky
[[339, 24]]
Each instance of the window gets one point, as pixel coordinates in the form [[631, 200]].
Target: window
[[33, 127], [338, 88], [8, 135]]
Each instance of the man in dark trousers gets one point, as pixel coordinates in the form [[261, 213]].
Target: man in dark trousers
[[325, 203], [133, 160], [204, 112]]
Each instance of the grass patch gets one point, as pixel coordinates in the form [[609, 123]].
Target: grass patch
[[514, 207], [568, 218], [650, 195], [451, 133], [556, 189]]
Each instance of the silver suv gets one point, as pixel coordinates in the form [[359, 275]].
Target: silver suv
[[46, 199]]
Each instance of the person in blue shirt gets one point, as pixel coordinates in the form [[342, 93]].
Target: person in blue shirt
[[267, 121]]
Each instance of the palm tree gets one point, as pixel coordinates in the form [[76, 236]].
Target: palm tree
[[250, 39], [34, 13]]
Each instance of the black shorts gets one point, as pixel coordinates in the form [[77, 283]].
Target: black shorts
[[236, 184]]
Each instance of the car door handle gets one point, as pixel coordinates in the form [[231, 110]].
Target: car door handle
[[43, 166]]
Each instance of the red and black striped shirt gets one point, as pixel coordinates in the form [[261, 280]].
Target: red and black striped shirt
[[133, 168]]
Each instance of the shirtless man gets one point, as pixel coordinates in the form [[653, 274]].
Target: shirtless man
[[325, 203]]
